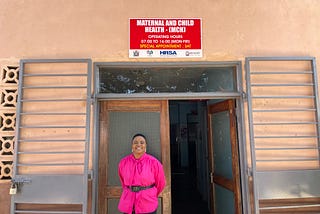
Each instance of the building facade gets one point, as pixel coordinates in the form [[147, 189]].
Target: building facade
[[242, 118]]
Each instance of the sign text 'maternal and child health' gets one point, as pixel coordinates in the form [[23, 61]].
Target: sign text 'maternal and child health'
[[165, 38]]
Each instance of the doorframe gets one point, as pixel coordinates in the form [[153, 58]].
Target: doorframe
[[238, 96]]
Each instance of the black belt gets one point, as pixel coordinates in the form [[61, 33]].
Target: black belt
[[139, 188]]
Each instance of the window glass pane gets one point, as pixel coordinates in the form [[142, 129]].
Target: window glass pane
[[166, 80], [224, 200], [123, 125], [222, 153]]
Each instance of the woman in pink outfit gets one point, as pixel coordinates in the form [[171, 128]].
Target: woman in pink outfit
[[142, 179]]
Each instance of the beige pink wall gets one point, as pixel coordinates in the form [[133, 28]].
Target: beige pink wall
[[4, 198], [98, 29]]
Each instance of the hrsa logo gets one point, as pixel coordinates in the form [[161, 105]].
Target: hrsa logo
[[168, 53]]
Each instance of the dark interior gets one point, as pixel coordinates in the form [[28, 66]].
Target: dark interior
[[186, 197]]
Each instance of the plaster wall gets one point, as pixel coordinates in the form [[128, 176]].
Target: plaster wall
[[98, 29], [4, 198]]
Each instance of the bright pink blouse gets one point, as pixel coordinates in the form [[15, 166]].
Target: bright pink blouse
[[140, 172]]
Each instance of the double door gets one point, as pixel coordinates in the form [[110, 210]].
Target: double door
[[120, 120]]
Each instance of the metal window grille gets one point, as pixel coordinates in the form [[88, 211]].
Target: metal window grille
[[52, 137], [283, 110]]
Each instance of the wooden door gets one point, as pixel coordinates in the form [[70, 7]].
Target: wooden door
[[224, 159], [119, 121]]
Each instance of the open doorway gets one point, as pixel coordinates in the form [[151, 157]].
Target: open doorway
[[204, 169], [190, 144], [189, 157]]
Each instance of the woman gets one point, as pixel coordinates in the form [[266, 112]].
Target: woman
[[142, 179]]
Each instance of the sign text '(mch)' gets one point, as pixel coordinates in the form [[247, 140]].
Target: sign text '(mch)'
[[163, 26]]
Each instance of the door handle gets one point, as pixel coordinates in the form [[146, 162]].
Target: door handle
[[211, 177]]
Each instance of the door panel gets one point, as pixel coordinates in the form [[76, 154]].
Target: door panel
[[224, 160], [119, 121]]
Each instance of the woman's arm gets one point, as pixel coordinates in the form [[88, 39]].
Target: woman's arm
[[120, 174], [160, 180]]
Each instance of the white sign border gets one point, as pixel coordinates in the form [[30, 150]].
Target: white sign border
[[166, 53]]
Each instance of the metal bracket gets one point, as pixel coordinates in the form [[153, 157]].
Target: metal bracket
[[244, 96], [90, 174], [21, 180], [92, 99], [16, 184]]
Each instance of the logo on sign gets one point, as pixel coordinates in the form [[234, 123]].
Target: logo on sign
[[193, 53], [136, 53], [149, 52], [168, 53]]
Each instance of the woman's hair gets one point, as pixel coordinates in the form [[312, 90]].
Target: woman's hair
[[141, 135]]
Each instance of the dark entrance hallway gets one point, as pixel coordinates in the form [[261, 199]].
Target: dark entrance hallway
[[185, 196], [188, 146]]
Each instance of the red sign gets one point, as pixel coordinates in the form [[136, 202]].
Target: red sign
[[165, 37]]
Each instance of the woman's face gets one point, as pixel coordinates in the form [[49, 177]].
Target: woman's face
[[139, 145]]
